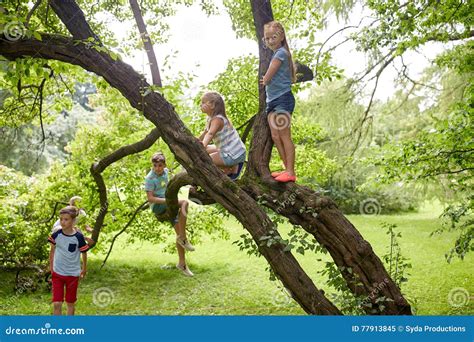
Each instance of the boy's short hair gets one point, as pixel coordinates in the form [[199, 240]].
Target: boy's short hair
[[158, 157], [70, 210]]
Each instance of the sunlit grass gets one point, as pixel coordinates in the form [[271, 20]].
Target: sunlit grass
[[142, 279]]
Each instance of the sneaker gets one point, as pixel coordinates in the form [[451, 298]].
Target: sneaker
[[185, 244], [185, 270]]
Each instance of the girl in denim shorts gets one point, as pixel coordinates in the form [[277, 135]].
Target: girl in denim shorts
[[280, 99]]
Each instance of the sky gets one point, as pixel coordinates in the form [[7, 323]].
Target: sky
[[205, 44]]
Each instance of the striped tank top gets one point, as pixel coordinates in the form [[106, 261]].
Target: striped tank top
[[227, 139]]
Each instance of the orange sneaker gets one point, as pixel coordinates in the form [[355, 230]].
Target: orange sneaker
[[285, 178]]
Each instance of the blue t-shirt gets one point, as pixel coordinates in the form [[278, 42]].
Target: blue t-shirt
[[281, 81], [157, 184], [67, 253]]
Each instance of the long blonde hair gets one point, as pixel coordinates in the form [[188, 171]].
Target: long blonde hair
[[280, 30]]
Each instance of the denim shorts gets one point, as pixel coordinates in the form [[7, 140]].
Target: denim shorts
[[283, 104], [159, 209], [231, 161]]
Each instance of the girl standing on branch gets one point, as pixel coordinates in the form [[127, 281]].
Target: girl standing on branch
[[280, 100]]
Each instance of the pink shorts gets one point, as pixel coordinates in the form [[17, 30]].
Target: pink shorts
[[60, 282]]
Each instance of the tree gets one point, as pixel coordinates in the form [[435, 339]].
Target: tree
[[318, 215]]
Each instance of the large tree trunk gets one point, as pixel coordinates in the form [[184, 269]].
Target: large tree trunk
[[317, 214]]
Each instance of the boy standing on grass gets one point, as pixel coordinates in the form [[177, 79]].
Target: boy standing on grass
[[67, 244], [155, 186]]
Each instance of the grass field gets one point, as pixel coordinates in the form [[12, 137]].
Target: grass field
[[142, 280]]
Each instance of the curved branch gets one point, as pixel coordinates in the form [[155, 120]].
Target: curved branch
[[127, 150], [97, 168]]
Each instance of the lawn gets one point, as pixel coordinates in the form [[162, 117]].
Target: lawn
[[141, 280]]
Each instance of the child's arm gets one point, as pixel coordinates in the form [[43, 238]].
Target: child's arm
[[154, 199], [272, 69], [51, 257], [215, 126], [84, 265], [203, 134]]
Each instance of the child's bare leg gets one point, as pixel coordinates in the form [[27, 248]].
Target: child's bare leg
[[275, 132], [71, 308], [180, 229], [182, 218], [57, 308], [181, 257], [217, 160], [211, 149], [289, 147]]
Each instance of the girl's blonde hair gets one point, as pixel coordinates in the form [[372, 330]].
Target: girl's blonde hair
[[216, 98], [74, 199], [70, 210], [280, 30]]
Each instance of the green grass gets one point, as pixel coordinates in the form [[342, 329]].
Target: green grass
[[143, 279]]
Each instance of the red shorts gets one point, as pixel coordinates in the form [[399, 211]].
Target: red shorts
[[60, 282]]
